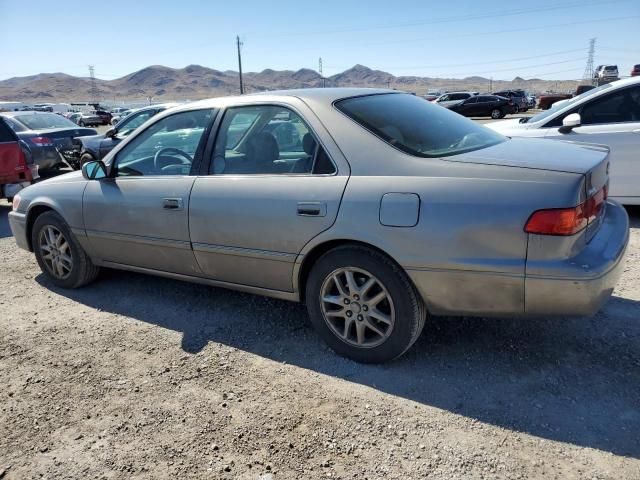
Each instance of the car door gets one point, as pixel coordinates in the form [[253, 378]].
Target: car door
[[274, 182], [467, 108], [612, 120], [138, 216]]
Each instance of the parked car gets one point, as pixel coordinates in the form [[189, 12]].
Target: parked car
[[484, 106], [105, 117], [431, 97], [531, 100], [606, 73], [580, 89], [74, 117], [546, 100], [49, 136], [88, 119], [387, 208], [518, 97], [116, 117], [607, 115], [95, 147], [451, 98], [17, 169], [635, 71]]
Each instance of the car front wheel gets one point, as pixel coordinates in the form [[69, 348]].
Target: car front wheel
[[59, 254], [496, 113], [363, 304], [81, 123]]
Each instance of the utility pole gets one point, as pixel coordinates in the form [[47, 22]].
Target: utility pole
[[587, 76], [491, 85], [239, 44]]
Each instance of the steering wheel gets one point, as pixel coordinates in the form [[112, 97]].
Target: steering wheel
[[171, 150]]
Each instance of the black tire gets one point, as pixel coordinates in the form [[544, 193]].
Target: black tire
[[497, 113], [86, 157], [410, 312], [83, 270], [81, 123]]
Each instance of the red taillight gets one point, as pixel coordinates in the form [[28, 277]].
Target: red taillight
[[567, 221], [42, 141]]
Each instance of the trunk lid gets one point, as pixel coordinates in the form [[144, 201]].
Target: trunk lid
[[539, 154]]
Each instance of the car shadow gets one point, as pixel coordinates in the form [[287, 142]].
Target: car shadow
[[569, 380]]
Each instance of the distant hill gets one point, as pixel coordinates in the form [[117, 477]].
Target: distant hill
[[195, 82]]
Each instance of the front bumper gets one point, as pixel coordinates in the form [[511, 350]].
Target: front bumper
[[582, 284], [18, 225]]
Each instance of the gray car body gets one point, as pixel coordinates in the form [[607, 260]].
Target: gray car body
[[455, 224]]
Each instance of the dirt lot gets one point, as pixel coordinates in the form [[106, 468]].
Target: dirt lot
[[140, 377]]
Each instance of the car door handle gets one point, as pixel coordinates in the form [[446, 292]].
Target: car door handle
[[172, 203], [312, 209]]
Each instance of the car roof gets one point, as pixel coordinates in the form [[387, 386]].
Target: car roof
[[20, 113]]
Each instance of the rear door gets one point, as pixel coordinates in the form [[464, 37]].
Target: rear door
[[612, 120], [10, 154], [275, 181]]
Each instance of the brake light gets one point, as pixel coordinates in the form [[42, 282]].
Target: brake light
[[567, 221], [42, 141]]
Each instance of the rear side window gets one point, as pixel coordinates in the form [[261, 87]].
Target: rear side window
[[6, 135], [417, 127]]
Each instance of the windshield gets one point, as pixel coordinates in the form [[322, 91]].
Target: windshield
[[416, 126], [554, 108], [44, 121]]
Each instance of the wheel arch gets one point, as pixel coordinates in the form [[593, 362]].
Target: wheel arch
[[317, 251], [32, 214]]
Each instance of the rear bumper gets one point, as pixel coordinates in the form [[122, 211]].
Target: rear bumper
[[582, 284], [18, 225]]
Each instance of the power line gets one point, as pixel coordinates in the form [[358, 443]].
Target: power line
[[450, 19]]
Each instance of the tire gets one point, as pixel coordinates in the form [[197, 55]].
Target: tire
[[81, 123], [401, 306], [76, 273], [496, 113], [86, 157]]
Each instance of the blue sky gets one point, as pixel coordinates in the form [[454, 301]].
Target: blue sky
[[456, 38]]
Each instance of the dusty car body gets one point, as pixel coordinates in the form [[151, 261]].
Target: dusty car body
[[373, 207]]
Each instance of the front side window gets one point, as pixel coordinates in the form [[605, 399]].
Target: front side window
[[133, 121], [267, 139], [6, 135], [417, 127], [167, 147], [618, 107]]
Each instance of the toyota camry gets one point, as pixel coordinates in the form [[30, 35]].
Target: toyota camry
[[375, 208]]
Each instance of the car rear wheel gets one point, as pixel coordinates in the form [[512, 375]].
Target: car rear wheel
[[59, 254], [496, 113], [86, 157], [363, 304], [81, 123]]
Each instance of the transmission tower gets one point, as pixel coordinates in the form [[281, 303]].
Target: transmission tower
[[320, 71], [94, 88], [588, 70]]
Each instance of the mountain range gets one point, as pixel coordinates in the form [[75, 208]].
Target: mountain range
[[195, 82]]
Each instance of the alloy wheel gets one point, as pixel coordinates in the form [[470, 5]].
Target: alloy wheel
[[357, 307], [56, 252]]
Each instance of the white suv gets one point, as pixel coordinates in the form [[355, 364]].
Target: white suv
[[607, 73], [607, 115]]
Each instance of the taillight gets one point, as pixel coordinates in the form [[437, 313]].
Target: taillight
[[567, 221], [42, 141], [16, 202]]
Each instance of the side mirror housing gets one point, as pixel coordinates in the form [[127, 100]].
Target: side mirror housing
[[570, 122], [110, 133], [94, 170]]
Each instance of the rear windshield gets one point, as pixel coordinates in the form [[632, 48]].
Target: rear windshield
[[417, 126], [43, 121]]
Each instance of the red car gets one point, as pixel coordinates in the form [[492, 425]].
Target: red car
[[17, 170], [635, 71]]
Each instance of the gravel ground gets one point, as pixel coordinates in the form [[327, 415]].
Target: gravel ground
[[141, 377]]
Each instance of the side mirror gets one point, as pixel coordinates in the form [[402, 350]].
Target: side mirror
[[570, 122], [111, 133], [94, 170]]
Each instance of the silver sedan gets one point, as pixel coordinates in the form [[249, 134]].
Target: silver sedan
[[375, 208]]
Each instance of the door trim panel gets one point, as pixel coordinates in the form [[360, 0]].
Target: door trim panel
[[159, 242], [244, 252]]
